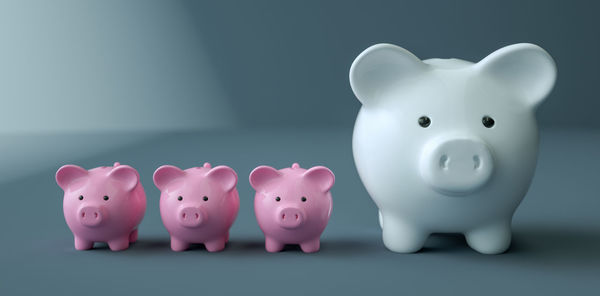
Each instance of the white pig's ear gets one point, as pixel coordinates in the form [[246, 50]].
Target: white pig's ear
[[380, 67], [223, 175], [263, 175], [165, 175], [526, 69], [321, 176], [125, 175], [69, 174]]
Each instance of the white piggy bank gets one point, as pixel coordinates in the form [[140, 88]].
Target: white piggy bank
[[446, 145]]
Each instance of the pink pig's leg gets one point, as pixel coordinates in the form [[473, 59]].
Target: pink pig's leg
[[119, 244], [272, 245], [227, 237], [311, 246], [81, 244], [216, 245], [178, 245], [133, 236]]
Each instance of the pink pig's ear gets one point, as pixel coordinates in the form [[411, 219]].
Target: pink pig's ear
[[223, 175], [125, 175], [262, 175], [321, 176], [67, 174], [165, 175]]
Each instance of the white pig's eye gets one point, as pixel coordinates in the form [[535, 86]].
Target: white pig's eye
[[180, 198], [303, 199], [278, 198], [105, 197], [488, 121], [81, 197], [424, 121], [205, 198]]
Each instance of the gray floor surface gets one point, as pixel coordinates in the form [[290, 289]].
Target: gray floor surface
[[555, 250]]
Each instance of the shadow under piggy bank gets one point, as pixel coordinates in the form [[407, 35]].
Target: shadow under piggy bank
[[332, 246], [252, 246], [534, 246], [556, 247]]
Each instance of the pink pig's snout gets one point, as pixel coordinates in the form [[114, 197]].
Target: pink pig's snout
[[290, 217], [90, 216], [192, 216]]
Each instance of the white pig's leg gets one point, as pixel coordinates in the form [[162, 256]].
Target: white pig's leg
[[215, 245], [490, 239], [119, 244], [272, 245], [380, 220], [133, 236], [81, 244], [178, 245], [401, 237], [311, 246]]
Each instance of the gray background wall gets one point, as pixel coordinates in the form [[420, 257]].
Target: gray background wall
[[166, 65], [290, 60], [68, 66]]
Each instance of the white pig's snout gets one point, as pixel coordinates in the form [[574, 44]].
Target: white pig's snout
[[456, 165]]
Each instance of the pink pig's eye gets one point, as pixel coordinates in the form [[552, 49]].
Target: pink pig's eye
[[205, 198], [278, 198], [180, 198], [303, 199], [81, 197], [105, 197]]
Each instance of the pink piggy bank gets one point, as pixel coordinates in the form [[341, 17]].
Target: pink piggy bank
[[292, 205], [198, 205], [105, 204]]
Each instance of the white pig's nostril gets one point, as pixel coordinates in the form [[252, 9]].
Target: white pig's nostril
[[197, 216], [82, 214], [95, 215], [477, 162], [183, 215], [444, 162], [296, 216]]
